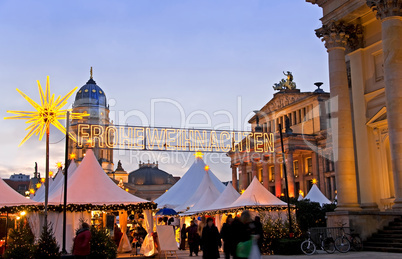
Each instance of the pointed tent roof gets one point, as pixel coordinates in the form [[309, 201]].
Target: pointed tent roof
[[209, 196], [179, 193], [206, 186], [89, 184], [227, 197], [55, 183], [316, 195], [257, 195], [300, 197], [9, 197]]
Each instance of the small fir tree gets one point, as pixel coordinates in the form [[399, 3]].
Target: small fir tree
[[21, 242], [47, 246], [102, 246]]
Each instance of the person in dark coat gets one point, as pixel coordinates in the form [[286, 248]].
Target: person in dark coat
[[243, 228], [259, 231], [193, 238], [183, 236], [117, 234], [227, 237], [210, 240], [82, 245]]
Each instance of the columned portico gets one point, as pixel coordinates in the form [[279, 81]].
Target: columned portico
[[234, 177], [265, 174], [390, 15], [244, 177], [290, 174], [278, 180], [335, 36]]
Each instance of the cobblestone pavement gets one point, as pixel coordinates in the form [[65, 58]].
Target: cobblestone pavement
[[319, 255]]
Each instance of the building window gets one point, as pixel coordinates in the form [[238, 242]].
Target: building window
[[309, 166], [259, 175], [299, 117], [272, 174], [296, 168], [304, 114]]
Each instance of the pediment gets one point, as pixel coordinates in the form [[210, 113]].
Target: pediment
[[379, 118], [283, 99]]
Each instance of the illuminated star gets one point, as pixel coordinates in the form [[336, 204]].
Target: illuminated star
[[48, 112], [314, 181], [198, 154]]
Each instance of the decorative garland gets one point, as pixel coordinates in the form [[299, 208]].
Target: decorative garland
[[232, 210], [82, 207]]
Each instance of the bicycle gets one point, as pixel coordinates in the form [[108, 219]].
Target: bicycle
[[342, 243], [308, 246], [355, 241]]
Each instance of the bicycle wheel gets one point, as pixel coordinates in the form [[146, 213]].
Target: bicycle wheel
[[342, 244], [308, 247], [357, 243], [329, 245]]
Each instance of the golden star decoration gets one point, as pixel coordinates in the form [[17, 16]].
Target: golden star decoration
[[48, 112]]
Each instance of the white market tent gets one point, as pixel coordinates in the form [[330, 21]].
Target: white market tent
[[10, 198], [227, 197], [300, 197], [180, 192], [54, 183], [315, 195], [205, 195], [87, 185], [256, 195]]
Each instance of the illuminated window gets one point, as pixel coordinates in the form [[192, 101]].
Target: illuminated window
[[309, 166], [296, 168], [271, 173]]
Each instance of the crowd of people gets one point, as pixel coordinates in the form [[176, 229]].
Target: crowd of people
[[205, 235]]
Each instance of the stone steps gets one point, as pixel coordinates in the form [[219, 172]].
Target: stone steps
[[387, 240]]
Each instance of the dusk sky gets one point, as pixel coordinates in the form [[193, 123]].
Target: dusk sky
[[201, 63]]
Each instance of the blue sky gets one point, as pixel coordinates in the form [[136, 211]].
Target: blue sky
[[205, 56]]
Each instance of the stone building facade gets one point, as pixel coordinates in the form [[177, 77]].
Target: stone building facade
[[363, 41], [307, 145]]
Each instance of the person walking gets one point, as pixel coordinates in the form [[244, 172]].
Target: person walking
[[183, 236], [259, 231], [227, 237], [243, 228], [82, 245], [193, 238], [210, 240]]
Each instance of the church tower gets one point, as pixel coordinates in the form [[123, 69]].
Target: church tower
[[91, 99]]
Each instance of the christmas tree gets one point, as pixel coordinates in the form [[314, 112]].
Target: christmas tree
[[21, 242], [47, 246], [102, 246]]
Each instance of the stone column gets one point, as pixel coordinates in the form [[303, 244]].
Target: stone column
[[302, 173], [265, 174], [290, 174], [244, 177], [234, 177], [254, 169], [390, 14], [335, 35], [278, 180], [332, 195]]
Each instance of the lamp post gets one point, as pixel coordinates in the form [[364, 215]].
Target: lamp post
[[291, 234], [66, 164]]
